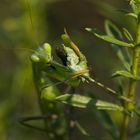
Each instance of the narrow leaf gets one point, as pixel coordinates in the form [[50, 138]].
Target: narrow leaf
[[125, 74], [134, 6], [105, 120], [122, 52], [110, 39], [128, 35], [87, 102], [81, 129], [133, 15], [84, 132]]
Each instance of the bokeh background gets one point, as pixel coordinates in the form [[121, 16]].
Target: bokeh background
[[18, 38]]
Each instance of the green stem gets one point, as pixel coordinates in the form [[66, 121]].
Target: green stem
[[132, 85]]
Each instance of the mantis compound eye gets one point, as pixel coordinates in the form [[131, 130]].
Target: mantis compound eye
[[34, 58], [42, 54], [47, 48]]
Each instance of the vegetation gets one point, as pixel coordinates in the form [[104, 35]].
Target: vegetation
[[58, 76]]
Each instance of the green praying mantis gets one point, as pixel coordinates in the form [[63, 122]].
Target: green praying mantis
[[74, 68], [72, 71]]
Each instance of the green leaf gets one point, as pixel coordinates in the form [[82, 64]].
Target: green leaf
[[133, 15], [125, 74], [112, 30], [109, 39], [81, 129], [128, 35], [122, 52], [87, 102], [128, 13], [84, 132], [134, 6], [105, 120]]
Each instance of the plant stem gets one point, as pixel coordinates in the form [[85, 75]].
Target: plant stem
[[132, 84]]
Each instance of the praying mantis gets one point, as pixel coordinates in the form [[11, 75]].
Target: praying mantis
[[72, 70]]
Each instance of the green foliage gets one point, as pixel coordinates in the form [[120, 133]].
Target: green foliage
[[125, 74], [109, 39], [128, 35], [122, 52], [74, 70], [57, 105]]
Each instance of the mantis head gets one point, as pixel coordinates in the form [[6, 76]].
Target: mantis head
[[42, 54]]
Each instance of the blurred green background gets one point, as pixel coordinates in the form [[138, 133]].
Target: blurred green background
[[18, 37]]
